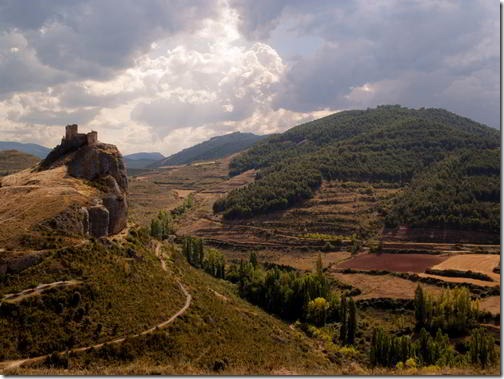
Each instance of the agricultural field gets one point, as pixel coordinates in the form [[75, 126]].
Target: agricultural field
[[482, 263], [303, 261], [461, 279], [491, 304], [393, 262], [381, 286], [341, 224]]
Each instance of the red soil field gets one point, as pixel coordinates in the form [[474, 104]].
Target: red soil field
[[393, 262]]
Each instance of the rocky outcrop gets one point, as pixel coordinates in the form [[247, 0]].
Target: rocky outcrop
[[97, 162], [103, 167], [99, 220]]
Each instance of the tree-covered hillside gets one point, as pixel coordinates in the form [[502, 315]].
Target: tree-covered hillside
[[462, 191], [388, 144], [311, 136], [214, 148]]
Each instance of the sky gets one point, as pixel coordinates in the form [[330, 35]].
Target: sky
[[163, 75]]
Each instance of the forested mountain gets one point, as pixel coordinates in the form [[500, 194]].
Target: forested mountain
[[28, 148], [388, 144], [462, 191], [214, 148]]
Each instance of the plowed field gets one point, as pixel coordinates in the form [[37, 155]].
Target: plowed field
[[393, 262]]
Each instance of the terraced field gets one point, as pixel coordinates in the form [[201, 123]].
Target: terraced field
[[338, 208]]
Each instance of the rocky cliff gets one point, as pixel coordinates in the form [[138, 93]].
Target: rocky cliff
[[101, 166]]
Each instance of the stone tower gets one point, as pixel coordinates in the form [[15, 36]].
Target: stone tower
[[92, 138], [71, 131]]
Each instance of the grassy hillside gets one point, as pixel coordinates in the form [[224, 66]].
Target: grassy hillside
[[127, 292], [120, 288], [214, 148], [389, 144], [13, 160], [220, 333]]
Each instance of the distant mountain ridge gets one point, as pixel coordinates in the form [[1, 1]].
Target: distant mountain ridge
[[28, 148], [145, 156], [214, 148], [142, 160]]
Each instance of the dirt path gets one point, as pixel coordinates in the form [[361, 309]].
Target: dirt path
[[9, 365], [157, 253], [18, 296]]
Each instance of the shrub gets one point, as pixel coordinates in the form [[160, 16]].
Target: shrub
[[76, 299]]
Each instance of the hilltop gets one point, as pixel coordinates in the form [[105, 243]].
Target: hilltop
[[12, 161], [214, 148], [28, 148], [79, 286]]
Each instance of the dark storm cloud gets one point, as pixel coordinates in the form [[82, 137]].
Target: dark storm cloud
[[416, 53], [91, 39]]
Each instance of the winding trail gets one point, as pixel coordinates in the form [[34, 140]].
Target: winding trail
[[21, 295], [13, 364]]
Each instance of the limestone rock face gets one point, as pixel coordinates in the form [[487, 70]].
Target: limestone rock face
[[98, 161], [115, 201], [103, 167]]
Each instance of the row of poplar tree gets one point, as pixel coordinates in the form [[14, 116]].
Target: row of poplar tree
[[453, 312]]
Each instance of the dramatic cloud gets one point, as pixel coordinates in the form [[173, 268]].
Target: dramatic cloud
[[372, 53], [163, 75]]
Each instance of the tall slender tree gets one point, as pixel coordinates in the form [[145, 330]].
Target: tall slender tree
[[352, 322], [344, 326]]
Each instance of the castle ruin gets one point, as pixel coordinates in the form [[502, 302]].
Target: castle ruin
[[74, 138], [72, 141]]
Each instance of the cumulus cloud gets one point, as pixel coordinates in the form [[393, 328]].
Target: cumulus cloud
[[408, 52], [224, 83], [163, 75]]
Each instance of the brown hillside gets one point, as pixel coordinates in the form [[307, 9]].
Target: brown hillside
[[29, 198]]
